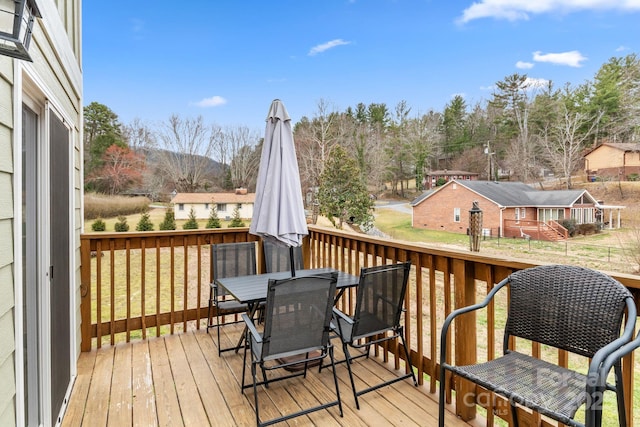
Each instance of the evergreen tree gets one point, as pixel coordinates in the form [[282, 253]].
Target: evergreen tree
[[145, 223], [169, 222], [214, 221], [342, 195], [192, 222], [236, 221], [98, 225], [122, 226]]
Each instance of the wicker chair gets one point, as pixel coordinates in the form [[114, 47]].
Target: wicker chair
[[278, 258], [296, 331], [379, 301], [566, 307], [228, 260]]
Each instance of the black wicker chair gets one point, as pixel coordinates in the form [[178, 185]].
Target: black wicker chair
[[278, 258], [297, 319], [379, 301], [566, 307], [228, 260]]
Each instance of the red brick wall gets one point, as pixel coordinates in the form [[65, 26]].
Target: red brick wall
[[436, 212]]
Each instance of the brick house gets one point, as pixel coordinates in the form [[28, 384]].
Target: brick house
[[510, 209], [225, 204], [613, 160]]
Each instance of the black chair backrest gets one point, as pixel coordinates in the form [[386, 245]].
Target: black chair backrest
[[567, 307], [278, 258], [298, 315], [233, 259], [379, 298]]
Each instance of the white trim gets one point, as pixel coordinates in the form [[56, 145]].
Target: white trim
[[17, 247], [56, 34]]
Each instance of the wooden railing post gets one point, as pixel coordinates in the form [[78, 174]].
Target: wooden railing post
[[85, 297], [465, 336]]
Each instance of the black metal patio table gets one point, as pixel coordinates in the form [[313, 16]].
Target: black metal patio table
[[252, 290]]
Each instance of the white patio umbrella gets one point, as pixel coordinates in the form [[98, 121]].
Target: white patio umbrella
[[278, 213]]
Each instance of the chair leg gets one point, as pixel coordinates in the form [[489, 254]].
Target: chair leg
[[244, 366], [335, 377], [209, 318], [622, 413], [254, 374], [514, 415], [442, 395], [348, 363], [408, 358]]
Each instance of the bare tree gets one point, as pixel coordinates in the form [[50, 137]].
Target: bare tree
[[568, 139], [185, 157], [240, 143]]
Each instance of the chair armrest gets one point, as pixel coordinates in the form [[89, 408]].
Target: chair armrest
[[341, 315], [608, 355], [251, 328], [463, 310]]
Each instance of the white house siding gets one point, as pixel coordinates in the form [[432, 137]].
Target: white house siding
[[202, 211], [54, 77]]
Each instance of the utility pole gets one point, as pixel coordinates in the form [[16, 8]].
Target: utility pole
[[487, 151]]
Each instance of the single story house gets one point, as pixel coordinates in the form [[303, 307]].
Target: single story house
[[613, 160], [510, 209], [431, 178], [225, 204]]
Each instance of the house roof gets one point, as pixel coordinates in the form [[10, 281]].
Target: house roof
[[514, 194], [451, 172], [623, 146], [200, 198]]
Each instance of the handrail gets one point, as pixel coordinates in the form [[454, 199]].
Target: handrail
[[150, 283]]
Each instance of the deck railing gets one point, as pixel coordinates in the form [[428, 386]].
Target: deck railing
[[139, 284]]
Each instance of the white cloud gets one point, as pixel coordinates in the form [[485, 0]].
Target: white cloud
[[214, 101], [487, 88], [621, 48], [513, 10], [326, 46], [572, 58], [524, 65]]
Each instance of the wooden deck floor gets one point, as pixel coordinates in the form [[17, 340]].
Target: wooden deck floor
[[179, 380]]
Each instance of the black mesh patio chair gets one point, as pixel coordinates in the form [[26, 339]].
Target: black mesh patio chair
[[297, 319], [228, 260], [379, 300], [568, 308], [278, 258]]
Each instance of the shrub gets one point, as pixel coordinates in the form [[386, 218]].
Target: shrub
[[633, 177], [169, 222], [587, 229], [145, 223], [98, 225], [192, 222], [214, 221], [570, 225], [121, 226], [236, 221], [440, 182], [103, 206]]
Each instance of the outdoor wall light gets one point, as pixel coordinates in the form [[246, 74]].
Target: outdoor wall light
[[16, 25], [475, 227]]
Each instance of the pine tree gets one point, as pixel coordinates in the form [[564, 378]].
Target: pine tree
[[98, 225], [169, 222], [192, 222], [122, 226], [214, 221], [145, 223], [236, 221]]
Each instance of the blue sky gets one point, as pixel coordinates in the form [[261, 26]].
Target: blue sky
[[228, 59]]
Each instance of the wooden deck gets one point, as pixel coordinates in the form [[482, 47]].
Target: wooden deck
[[180, 380]]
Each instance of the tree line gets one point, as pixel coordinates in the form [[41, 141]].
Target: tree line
[[525, 127]]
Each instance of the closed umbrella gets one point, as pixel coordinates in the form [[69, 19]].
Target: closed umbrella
[[278, 213]]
